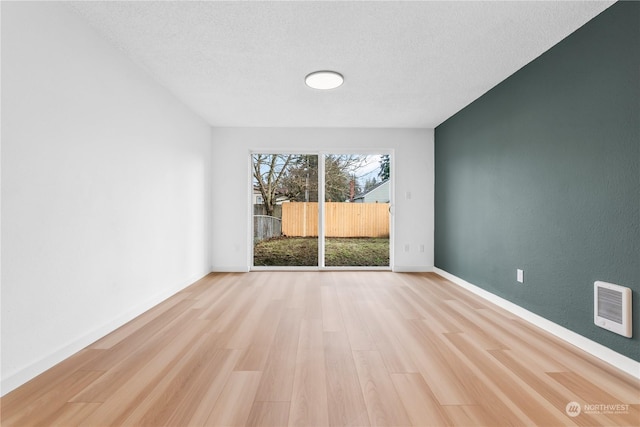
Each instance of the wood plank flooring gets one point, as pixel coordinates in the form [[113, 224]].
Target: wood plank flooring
[[333, 348]]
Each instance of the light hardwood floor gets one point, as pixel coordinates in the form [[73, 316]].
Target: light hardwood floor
[[325, 349]]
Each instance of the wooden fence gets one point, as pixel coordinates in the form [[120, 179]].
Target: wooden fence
[[341, 219], [259, 209], [266, 227]]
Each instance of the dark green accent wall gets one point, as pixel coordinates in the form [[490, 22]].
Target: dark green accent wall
[[542, 173]]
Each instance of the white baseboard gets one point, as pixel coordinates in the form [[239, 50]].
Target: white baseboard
[[600, 351], [412, 269], [230, 269], [16, 379]]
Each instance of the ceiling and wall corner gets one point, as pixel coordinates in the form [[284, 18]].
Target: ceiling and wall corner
[[406, 64]]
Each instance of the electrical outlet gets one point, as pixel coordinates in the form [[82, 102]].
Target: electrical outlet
[[406, 247], [520, 275], [421, 248]]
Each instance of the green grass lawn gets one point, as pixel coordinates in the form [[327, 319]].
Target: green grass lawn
[[303, 251]]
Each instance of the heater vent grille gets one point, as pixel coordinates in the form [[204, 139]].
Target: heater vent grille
[[612, 307], [610, 304]]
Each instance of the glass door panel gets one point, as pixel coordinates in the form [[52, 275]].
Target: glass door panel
[[356, 212], [285, 209]]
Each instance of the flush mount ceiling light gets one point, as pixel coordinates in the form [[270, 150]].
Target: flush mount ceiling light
[[324, 80]]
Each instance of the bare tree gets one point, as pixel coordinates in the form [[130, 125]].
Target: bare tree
[[268, 171], [296, 177], [300, 182]]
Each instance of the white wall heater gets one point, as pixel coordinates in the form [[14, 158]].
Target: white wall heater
[[612, 308]]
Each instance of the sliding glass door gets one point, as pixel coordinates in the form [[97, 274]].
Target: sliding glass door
[[356, 210], [327, 210]]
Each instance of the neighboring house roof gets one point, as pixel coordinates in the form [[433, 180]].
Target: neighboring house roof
[[279, 196], [378, 193]]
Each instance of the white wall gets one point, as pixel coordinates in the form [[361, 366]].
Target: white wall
[[413, 172], [106, 194]]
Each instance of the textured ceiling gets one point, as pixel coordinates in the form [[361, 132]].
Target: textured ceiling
[[406, 64]]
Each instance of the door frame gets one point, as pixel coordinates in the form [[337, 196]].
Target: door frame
[[321, 209]]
